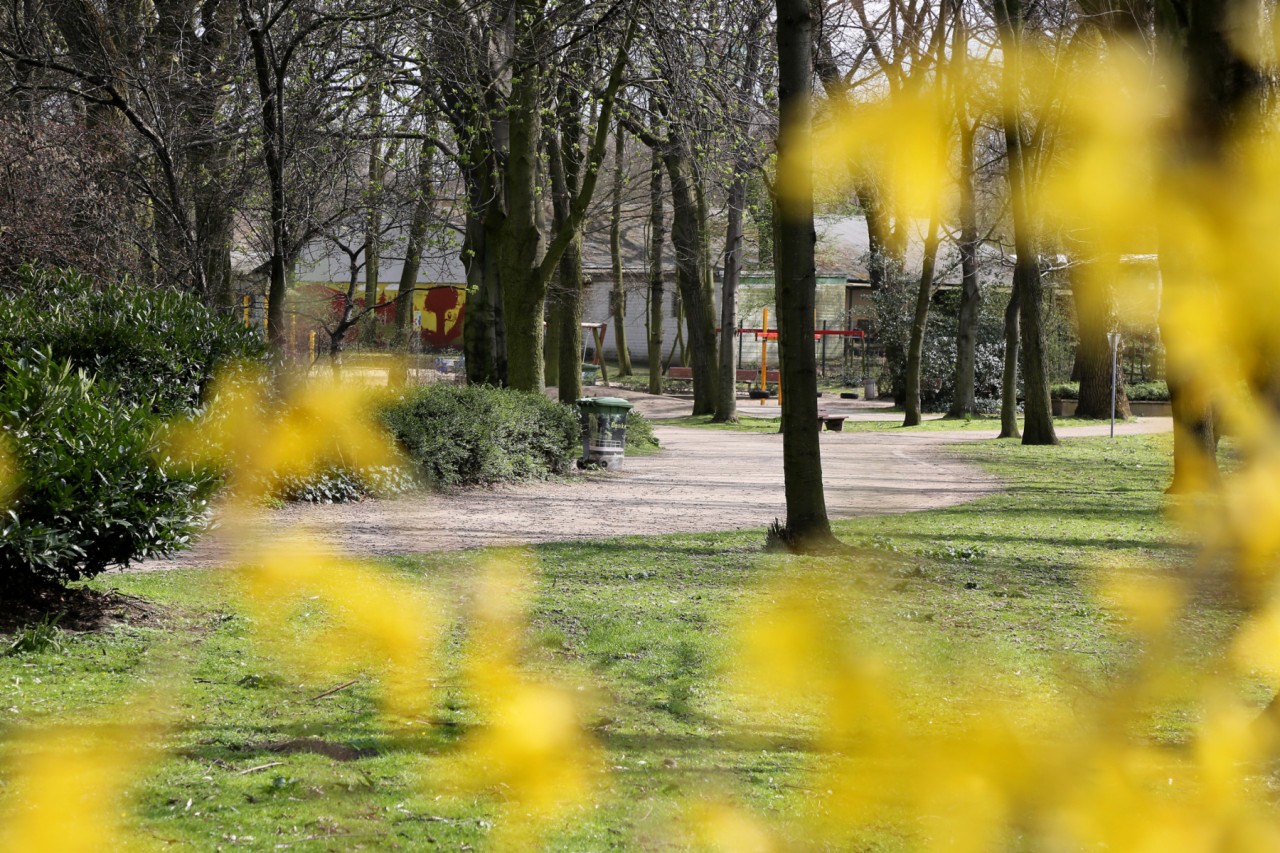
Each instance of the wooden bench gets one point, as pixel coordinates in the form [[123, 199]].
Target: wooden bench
[[770, 376]]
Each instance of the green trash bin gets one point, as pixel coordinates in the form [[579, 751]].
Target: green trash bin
[[604, 430], [590, 373]]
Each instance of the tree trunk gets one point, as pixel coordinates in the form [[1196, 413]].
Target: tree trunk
[[415, 241], [1037, 426], [686, 241], [569, 383], [483, 300], [373, 220], [618, 295], [551, 338], [656, 242], [1009, 377], [727, 398], [270, 101], [964, 402], [524, 290], [1096, 316], [1038, 414], [807, 525], [760, 206], [919, 324]]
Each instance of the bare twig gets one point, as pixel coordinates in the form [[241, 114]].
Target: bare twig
[[260, 767], [334, 690]]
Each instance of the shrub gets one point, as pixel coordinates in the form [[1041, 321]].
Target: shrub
[[478, 434], [341, 485], [1065, 390], [160, 348], [90, 492], [1148, 392], [640, 431]]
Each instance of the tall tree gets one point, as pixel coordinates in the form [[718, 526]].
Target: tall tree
[[657, 229], [565, 158], [618, 293], [807, 526], [1011, 19], [963, 92], [746, 158], [293, 48], [525, 267], [155, 91], [1095, 302]]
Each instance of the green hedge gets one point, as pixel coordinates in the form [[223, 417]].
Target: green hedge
[[1148, 392], [1139, 392], [160, 348], [87, 371], [90, 492], [640, 432], [469, 435]]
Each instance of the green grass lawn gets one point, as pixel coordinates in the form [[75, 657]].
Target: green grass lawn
[[999, 590]]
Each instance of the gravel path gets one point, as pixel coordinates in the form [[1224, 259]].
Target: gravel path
[[703, 480]]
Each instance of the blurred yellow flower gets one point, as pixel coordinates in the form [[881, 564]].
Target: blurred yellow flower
[[532, 747], [69, 785], [260, 437], [361, 620]]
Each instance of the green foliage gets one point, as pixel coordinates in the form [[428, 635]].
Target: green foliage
[[91, 493], [341, 484], [1142, 392], [159, 347], [640, 432], [87, 368], [466, 435], [1147, 392], [43, 636], [1065, 390]]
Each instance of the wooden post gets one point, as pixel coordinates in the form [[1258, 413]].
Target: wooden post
[[311, 349], [598, 333]]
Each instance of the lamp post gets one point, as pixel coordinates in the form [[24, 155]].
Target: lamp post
[[1113, 338]]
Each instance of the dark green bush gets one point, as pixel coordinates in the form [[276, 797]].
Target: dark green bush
[[87, 369], [90, 491], [1065, 390], [465, 435], [1148, 392], [158, 347], [640, 431], [1145, 392]]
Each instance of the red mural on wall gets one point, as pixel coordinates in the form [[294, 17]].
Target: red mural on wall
[[442, 313]]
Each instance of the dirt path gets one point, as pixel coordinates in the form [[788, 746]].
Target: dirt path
[[703, 480]]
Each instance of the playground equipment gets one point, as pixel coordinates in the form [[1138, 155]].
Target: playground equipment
[[764, 335], [597, 364]]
